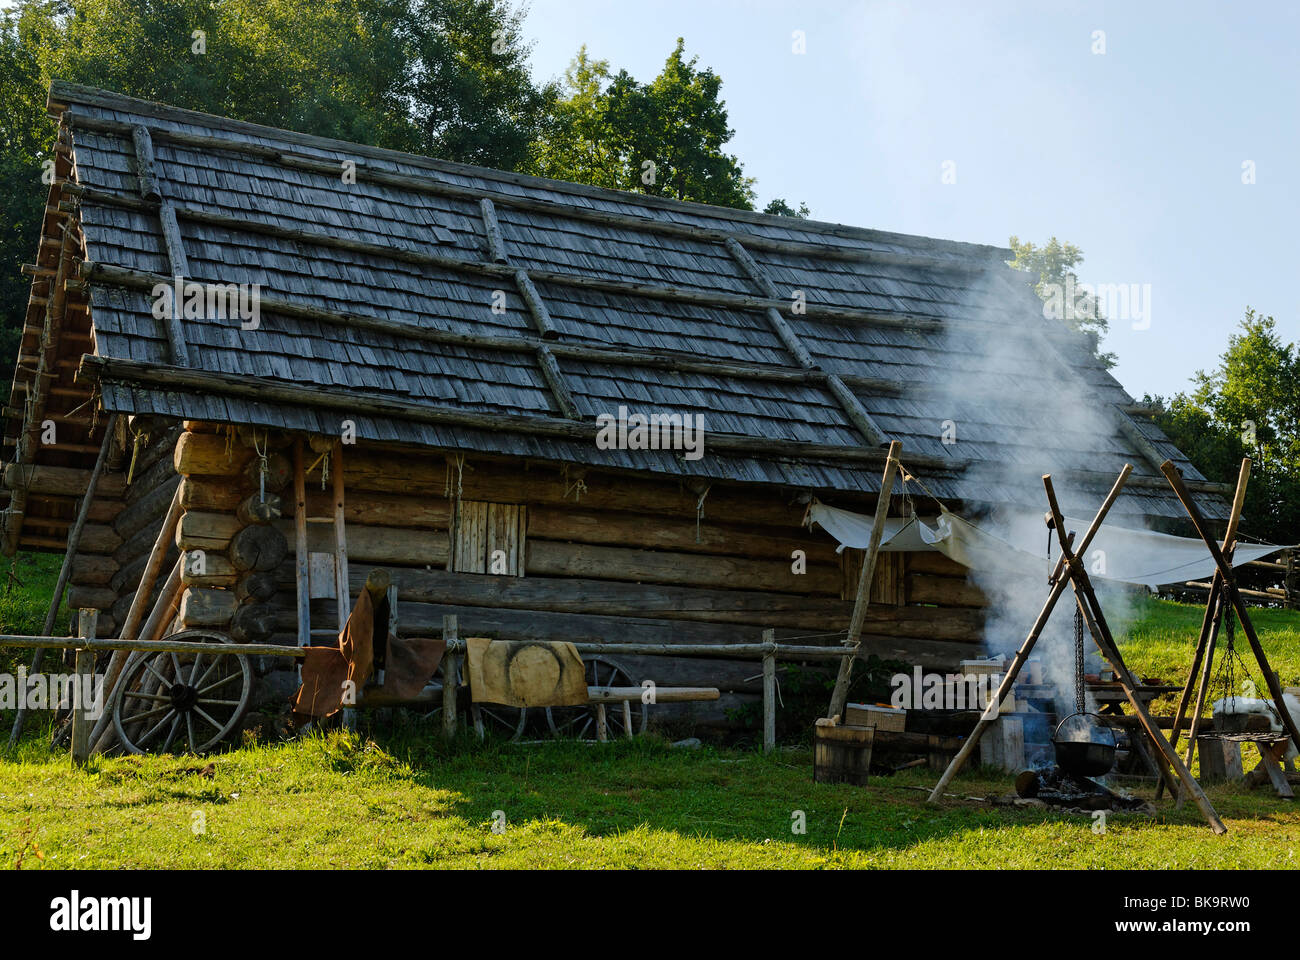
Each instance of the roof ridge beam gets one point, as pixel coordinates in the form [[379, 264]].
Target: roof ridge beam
[[150, 192], [978, 261]]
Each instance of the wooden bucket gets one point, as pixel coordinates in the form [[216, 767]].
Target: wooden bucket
[[841, 754]]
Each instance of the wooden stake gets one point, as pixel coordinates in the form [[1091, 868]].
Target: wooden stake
[[450, 676], [74, 542], [1008, 681], [81, 720], [769, 691], [301, 557], [863, 597]]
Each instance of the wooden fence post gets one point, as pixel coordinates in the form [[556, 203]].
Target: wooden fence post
[[87, 620], [450, 676], [769, 691]]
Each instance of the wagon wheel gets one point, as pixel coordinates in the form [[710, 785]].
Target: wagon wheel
[[580, 722], [511, 720], [166, 699]]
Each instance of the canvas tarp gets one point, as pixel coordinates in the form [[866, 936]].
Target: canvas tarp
[[1019, 545]]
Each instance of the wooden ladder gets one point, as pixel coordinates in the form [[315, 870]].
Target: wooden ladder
[[307, 571]]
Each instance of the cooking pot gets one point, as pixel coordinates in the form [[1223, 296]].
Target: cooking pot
[[1085, 747]]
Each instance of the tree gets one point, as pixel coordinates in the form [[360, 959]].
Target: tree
[[1059, 288], [782, 209], [446, 78], [666, 137], [1247, 406]]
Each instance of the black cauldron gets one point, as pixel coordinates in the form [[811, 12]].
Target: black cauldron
[[1085, 747]]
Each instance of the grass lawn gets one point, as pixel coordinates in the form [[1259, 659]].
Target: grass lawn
[[406, 799]]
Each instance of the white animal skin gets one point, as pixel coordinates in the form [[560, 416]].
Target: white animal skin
[[1249, 705]]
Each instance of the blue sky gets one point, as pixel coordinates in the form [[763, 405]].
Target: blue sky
[[1135, 155]]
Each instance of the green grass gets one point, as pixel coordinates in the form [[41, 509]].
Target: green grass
[[339, 800], [407, 799]]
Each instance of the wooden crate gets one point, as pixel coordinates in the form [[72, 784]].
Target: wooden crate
[[870, 715], [841, 754]]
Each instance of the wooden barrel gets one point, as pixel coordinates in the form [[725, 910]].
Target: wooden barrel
[[841, 754]]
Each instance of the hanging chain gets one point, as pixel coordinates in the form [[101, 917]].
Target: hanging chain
[[1080, 703]]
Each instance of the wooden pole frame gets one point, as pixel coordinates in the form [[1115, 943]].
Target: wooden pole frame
[[1060, 580], [862, 599], [1210, 626], [1090, 607], [1233, 596]]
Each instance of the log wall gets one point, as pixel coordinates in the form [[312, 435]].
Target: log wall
[[605, 557]]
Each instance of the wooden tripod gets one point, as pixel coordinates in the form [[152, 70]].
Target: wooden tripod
[[1224, 593], [1070, 572]]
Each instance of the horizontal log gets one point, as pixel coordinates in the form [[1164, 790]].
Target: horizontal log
[[210, 494], [208, 569], [617, 563], [371, 508], [202, 607], [632, 530], [98, 598], [497, 481], [146, 482], [99, 538], [65, 481], [258, 547], [101, 510], [201, 530], [161, 646], [208, 455], [617, 599], [944, 591], [662, 694], [381, 545], [932, 561], [630, 633], [148, 510], [92, 570]]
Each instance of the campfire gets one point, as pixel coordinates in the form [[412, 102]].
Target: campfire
[[1053, 787]]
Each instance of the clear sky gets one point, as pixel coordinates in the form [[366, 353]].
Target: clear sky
[[1134, 154]]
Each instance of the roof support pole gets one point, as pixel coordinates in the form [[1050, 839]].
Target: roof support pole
[[862, 599]]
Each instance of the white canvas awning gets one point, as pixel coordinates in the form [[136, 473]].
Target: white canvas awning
[[1020, 545]]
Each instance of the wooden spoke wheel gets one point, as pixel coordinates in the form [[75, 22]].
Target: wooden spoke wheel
[[182, 701], [580, 722]]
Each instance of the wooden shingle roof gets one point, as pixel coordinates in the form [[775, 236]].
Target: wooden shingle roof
[[379, 272]]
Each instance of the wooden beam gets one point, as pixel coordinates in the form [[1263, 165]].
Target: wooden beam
[[862, 598], [144, 163], [702, 297], [273, 391], [667, 360], [973, 258]]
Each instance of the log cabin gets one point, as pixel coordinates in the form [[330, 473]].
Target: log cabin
[[417, 370]]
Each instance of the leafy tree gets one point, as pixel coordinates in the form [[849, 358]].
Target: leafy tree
[[447, 78], [666, 137], [1058, 287], [1247, 406], [783, 209]]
